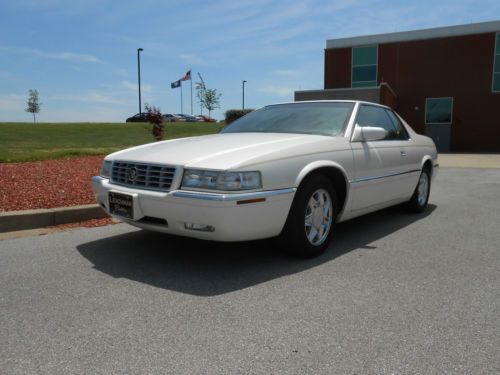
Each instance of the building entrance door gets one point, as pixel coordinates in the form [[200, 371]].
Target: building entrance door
[[440, 134]]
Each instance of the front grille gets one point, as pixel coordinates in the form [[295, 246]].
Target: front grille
[[142, 175]]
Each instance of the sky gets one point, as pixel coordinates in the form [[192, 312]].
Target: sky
[[81, 55]]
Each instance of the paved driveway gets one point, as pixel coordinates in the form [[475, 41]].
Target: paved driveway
[[396, 293]]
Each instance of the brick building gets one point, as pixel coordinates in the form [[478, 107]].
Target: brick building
[[445, 82]]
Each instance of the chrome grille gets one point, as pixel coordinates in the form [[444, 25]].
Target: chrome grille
[[142, 175]]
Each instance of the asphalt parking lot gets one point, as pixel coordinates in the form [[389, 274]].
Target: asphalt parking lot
[[396, 293]]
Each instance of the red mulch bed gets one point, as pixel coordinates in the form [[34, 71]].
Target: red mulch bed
[[48, 183], [88, 223]]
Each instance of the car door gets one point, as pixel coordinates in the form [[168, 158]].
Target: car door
[[382, 169]]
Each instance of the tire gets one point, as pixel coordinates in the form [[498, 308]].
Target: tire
[[420, 198], [311, 220]]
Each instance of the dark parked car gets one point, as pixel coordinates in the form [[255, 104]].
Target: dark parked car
[[140, 117]]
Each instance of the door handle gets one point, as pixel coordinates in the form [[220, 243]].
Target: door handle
[[403, 152]]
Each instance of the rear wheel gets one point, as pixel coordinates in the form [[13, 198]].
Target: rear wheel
[[310, 222], [420, 197]]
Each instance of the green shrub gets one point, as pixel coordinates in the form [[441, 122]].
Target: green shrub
[[235, 114]]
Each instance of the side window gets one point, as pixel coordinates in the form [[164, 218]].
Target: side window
[[401, 132], [369, 115]]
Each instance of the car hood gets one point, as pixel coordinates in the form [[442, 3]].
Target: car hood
[[230, 150]]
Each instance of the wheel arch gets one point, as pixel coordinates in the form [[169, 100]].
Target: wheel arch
[[427, 162], [335, 172]]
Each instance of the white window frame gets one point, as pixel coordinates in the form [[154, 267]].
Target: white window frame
[[352, 67], [439, 123]]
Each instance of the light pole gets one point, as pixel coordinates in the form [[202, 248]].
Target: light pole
[[243, 91], [139, 75]]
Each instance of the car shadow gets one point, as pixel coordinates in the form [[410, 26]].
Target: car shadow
[[206, 268]]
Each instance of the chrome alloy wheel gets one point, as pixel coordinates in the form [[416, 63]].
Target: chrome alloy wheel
[[318, 219], [423, 188]]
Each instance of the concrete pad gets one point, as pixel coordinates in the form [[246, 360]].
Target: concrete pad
[[469, 160]]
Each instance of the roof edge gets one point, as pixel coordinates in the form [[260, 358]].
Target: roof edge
[[406, 36]]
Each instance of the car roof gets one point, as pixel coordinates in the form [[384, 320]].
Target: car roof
[[333, 101]]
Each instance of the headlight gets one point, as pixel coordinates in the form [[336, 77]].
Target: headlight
[[106, 168], [215, 180]]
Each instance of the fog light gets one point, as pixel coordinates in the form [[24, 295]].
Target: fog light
[[200, 227]]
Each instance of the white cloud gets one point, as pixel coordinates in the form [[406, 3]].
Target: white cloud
[[12, 103], [192, 59], [277, 90], [67, 56], [287, 72], [96, 97], [100, 97], [133, 86]]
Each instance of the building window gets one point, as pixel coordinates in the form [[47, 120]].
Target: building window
[[496, 65], [438, 110], [364, 66]]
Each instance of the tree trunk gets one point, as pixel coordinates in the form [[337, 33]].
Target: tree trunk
[[34, 118]]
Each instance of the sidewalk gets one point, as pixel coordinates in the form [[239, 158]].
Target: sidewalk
[[469, 160]]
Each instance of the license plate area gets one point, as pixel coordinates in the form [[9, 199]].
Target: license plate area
[[121, 204]]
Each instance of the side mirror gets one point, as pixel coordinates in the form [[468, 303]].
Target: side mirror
[[368, 133]]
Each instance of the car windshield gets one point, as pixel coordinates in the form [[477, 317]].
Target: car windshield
[[303, 118]]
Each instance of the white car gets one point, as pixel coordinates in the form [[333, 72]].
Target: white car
[[288, 170]]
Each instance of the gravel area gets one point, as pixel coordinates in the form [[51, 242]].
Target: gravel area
[[47, 184]]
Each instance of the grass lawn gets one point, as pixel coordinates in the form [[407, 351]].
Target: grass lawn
[[28, 142]]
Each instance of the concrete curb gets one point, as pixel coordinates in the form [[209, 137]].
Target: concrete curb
[[31, 219]]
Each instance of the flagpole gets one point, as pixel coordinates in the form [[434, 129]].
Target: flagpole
[[182, 110], [191, 79], [203, 89]]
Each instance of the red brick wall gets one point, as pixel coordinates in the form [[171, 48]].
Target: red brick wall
[[460, 67], [337, 68]]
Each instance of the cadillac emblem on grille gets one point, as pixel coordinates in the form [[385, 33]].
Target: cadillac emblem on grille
[[142, 175], [132, 174]]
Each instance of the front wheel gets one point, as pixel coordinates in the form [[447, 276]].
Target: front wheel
[[420, 197], [310, 222]]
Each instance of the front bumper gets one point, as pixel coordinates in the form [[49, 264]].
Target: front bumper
[[234, 217]]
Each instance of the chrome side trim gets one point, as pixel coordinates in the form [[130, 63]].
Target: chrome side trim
[[355, 181], [230, 197]]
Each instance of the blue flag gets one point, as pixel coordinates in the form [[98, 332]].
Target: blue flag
[[175, 84]]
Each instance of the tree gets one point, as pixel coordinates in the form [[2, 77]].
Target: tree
[[33, 105], [200, 90], [155, 118], [209, 99]]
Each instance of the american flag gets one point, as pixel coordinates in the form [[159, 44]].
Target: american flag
[[187, 77]]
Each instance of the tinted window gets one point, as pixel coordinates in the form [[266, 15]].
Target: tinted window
[[496, 65], [364, 66], [438, 110], [401, 132], [364, 56], [303, 118], [369, 115]]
